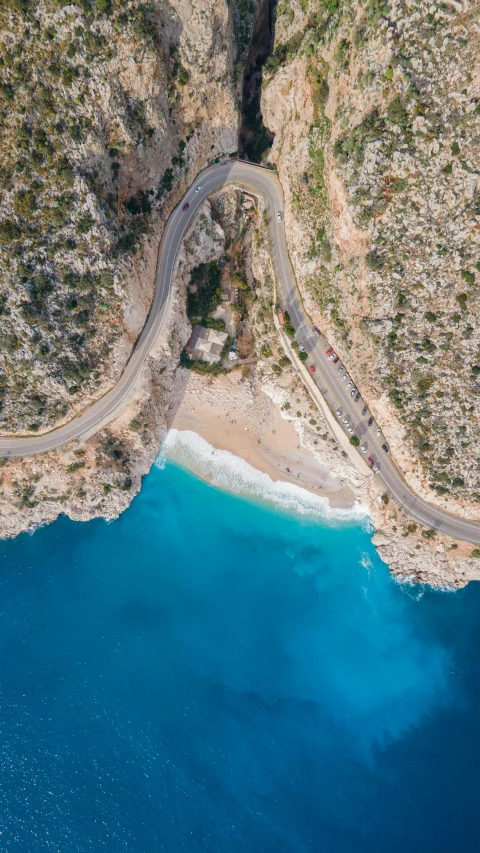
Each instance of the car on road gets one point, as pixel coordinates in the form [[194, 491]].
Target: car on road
[[363, 448], [200, 186], [345, 421], [364, 411], [357, 397], [345, 376], [385, 448], [186, 206], [338, 413], [329, 351], [370, 460], [312, 368], [370, 421], [379, 432], [376, 469], [279, 217]]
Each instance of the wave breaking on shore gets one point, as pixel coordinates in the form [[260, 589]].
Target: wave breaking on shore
[[231, 473]]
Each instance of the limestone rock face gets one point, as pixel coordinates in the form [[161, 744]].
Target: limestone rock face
[[376, 113], [105, 118]]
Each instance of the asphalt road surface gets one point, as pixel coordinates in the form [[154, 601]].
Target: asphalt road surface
[[261, 182]]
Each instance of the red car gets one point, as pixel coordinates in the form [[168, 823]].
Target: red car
[[329, 351], [312, 368], [371, 460], [186, 206]]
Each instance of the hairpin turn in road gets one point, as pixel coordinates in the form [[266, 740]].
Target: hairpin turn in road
[[265, 183]]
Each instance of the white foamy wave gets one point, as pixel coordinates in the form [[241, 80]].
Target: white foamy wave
[[227, 471]]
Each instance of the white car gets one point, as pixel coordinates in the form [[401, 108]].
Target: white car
[[345, 422], [279, 217], [331, 357], [350, 430], [199, 188], [349, 386], [363, 448], [378, 432], [345, 376], [376, 469], [338, 413]]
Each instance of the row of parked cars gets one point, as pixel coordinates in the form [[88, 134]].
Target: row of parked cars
[[334, 358]]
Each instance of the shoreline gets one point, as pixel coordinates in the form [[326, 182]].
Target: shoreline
[[253, 430]]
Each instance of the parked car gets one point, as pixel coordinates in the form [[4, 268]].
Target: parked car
[[370, 460], [378, 432], [376, 469], [350, 430], [338, 413], [345, 421], [352, 392], [340, 369], [349, 386], [199, 188], [331, 357], [279, 217], [329, 351], [385, 448], [364, 411], [301, 348], [345, 376], [357, 397], [363, 448], [186, 206], [337, 358], [312, 368], [370, 421]]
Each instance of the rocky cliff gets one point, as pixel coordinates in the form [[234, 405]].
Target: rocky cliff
[[376, 112]]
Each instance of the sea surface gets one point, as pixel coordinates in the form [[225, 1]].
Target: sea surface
[[215, 673]]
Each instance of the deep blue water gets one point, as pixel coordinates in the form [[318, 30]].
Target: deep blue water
[[206, 674]]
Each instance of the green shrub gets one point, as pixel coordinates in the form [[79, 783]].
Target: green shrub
[[455, 149], [374, 260], [476, 553], [468, 277], [385, 499], [266, 351], [397, 113], [355, 441], [75, 466], [303, 356]]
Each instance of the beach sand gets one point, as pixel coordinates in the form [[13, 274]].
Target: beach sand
[[226, 412]]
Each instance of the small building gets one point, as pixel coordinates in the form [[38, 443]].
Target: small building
[[206, 344], [281, 318]]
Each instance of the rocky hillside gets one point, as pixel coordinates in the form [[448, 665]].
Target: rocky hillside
[[376, 110], [107, 108]]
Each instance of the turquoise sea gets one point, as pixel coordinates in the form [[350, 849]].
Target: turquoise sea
[[212, 674]]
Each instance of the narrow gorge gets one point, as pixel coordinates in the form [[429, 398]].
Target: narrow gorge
[[378, 162]]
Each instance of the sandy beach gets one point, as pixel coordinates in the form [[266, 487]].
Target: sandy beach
[[227, 413]]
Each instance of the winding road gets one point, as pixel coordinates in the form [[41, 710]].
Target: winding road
[[260, 182]]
